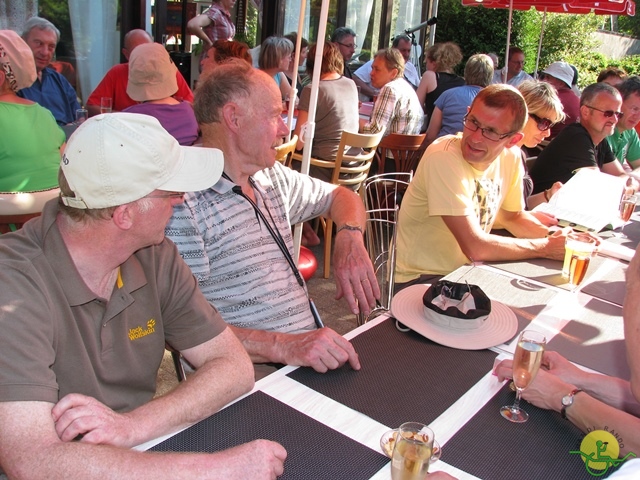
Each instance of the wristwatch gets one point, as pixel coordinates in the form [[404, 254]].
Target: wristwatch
[[567, 401], [350, 226]]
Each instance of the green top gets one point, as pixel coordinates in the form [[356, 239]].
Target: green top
[[625, 146], [30, 148]]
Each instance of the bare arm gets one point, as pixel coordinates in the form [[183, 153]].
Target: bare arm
[[587, 413], [28, 433], [631, 316], [303, 116], [435, 124], [195, 26], [355, 278], [522, 224], [321, 349], [480, 246], [224, 372], [428, 84]]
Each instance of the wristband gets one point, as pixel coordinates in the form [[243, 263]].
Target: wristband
[[346, 226]]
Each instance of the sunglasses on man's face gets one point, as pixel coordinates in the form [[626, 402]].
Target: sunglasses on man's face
[[542, 123], [607, 113]]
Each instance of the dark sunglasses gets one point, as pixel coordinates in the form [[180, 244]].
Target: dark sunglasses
[[607, 113], [542, 123]]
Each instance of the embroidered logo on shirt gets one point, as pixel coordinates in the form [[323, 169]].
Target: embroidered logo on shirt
[[135, 333]]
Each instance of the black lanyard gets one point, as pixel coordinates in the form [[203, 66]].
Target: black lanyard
[[275, 234]]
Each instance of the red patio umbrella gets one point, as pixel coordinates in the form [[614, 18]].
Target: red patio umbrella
[[604, 7]]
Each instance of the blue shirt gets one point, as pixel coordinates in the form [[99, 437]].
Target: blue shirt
[[454, 103], [55, 93]]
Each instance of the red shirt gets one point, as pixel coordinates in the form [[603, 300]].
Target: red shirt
[[114, 85]]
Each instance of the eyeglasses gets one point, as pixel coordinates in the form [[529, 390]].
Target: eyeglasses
[[607, 113], [348, 45], [542, 123], [165, 195], [487, 133]]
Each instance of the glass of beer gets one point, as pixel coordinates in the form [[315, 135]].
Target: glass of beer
[[627, 206], [526, 363], [581, 243], [412, 452]]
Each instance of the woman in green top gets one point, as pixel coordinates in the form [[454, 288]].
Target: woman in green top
[[31, 139]]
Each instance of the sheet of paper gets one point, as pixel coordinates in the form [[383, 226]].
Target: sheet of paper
[[588, 201]]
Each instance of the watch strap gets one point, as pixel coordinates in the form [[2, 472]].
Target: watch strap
[[346, 226], [563, 411]]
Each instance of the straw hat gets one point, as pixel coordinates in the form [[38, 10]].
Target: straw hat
[[152, 74], [499, 326]]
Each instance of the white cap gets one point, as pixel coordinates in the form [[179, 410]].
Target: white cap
[[560, 70], [118, 158]]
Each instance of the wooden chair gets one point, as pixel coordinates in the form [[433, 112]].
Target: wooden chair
[[382, 195], [18, 208], [347, 170], [406, 150], [285, 151]]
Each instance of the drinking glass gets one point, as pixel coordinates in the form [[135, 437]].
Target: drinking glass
[[81, 115], [627, 206], [579, 248], [105, 104], [526, 363], [412, 452]]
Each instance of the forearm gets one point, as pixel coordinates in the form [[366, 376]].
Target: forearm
[[365, 88], [610, 390], [347, 207], [215, 383], [523, 225], [261, 345], [499, 248]]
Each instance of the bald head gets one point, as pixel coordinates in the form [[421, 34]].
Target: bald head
[[134, 38]]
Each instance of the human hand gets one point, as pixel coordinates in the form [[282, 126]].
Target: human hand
[[77, 414], [546, 219], [555, 244], [258, 460], [321, 349], [546, 390], [554, 188], [355, 279], [557, 365]]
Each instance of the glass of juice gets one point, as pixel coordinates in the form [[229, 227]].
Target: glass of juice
[[412, 452], [526, 363], [627, 207], [576, 242]]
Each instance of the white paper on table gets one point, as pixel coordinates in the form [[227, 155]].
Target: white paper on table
[[614, 250], [589, 201]]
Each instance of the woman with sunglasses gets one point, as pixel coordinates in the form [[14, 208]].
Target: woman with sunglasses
[[545, 110]]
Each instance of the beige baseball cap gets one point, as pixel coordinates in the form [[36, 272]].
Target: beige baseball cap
[[118, 158], [152, 74], [16, 60]]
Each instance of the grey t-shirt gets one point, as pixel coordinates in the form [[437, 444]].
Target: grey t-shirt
[[336, 110]]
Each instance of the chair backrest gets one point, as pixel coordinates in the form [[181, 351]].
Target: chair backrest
[[351, 170], [17, 208], [406, 150], [382, 195], [284, 151]]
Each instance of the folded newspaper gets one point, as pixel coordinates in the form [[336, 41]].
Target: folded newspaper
[[589, 201]]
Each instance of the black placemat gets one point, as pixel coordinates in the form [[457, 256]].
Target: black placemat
[[595, 339], [611, 288], [314, 451], [491, 447], [404, 376]]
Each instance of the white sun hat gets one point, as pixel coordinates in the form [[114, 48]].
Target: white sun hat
[[498, 327]]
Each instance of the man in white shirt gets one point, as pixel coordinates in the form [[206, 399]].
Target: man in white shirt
[[513, 69], [362, 76]]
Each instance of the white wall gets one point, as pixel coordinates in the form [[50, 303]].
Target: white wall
[[616, 46]]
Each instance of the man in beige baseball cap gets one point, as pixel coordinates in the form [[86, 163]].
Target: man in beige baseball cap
[[91, 292]]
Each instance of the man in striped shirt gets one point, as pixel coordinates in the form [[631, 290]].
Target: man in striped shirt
[[236, 235]]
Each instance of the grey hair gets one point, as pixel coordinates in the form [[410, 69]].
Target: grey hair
[[593, 90], [229, 82], [40, 24], [341, 33]]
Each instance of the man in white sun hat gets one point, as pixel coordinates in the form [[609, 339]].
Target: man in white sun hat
[[91, 291], [560, 75]]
